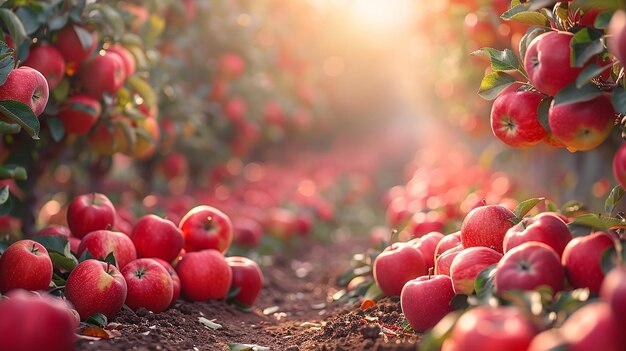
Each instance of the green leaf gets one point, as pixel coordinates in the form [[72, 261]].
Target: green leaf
[[21, 114], [13, 172], [7, 62], [247, 347], [590, 220], [97, 320], [551, 206], [433, 339], [500, 60], [522, 14], [493, 83], [613, 222], [209, 323], [9, 128], [543, 112], [110, 259], [86, 255], [585, 44], [591, 71], [459, 302], [484, 283], [55, 243], [14, 25], [59, 250], [609, 259], [579, 230], [57, 130], [569, 301], [85, 38], [515, 220], [603, 19], [58, 21], [571, 94], [613, 199], [64, 262], [61, 91], [525, 206], [374, 292], [599, 4], [29, 18], [618, 99], [143, 89], [530, 35], [232, 292]]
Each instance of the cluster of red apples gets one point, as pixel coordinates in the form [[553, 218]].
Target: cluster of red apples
[[152, 267], [537, 253]]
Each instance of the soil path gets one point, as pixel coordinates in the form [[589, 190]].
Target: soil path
[[294, 312]]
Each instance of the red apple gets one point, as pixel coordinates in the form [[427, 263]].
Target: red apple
[[25, 265], [247, 276], [59, 230], [529, 266], [157, 237], [593, 327], [468, 264], [130, 65], [486, 226], [247, 232], [447, 242], [235, 109], [149, 285], [396, 265], [89, 212], [616, 38], [101, 243], [96, 287], [71, 47], [175, 165], [426, 245], [545, 227], [34, 322], [582, 260], [547, 340], [231, 65], [619, 165], [426, 300], [547, 62], [613, 291], [48, 61], [582, 126], [514, 119], [79, 113], [206, 227], [281, 223], [175, 279], [204, 275], [102, 74], [444, 261], [28, 86], [493, 329]]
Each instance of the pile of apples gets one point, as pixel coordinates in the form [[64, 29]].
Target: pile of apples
[[538, 253], [98, 270]]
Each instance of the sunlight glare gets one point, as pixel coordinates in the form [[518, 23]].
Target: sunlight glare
[[386, 16]]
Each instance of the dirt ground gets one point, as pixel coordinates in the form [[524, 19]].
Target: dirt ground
[[295, 311]]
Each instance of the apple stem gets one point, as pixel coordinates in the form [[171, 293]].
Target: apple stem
[[484, 202], [430, 272], [207, 225], [393, 233], [34, 249]]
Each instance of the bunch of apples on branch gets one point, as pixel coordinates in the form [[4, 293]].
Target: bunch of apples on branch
[[566, 87]]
